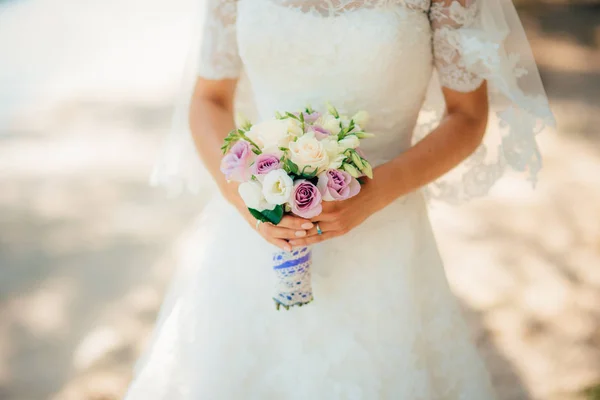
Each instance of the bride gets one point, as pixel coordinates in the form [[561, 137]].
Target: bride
[[384, 324]]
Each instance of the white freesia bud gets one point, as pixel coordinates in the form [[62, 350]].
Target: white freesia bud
[[361, 118], [358, 161], [367, 169], [349, 142], [242, 121], [308, 152], [364, 135], [277, 187], [351, 170], [332, 110], [251, 193]]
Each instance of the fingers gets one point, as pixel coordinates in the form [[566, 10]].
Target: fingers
[[278, 232], [326, 226], [308, 241], [295, 223], [282, 244]]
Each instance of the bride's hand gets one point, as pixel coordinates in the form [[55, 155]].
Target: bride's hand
[[290, 227], [340, 217]]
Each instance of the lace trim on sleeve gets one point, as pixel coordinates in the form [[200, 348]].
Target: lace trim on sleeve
[[219, 58], [448, 19]]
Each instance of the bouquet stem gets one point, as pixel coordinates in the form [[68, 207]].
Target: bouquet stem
[[294, 286]]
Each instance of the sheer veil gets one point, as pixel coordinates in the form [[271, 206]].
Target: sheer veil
[[493, 47]]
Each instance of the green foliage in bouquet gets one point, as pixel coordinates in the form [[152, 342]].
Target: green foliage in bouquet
[[273, 216]]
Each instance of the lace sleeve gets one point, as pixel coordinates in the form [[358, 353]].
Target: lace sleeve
[[448, 18], [219, 58]]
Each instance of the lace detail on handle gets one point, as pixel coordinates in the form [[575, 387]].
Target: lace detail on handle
[[219, 58], [448, 17]]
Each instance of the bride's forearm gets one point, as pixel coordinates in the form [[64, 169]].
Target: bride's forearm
[[457, 136], [210, 122]]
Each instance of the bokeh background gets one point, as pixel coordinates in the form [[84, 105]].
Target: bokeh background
[[87, 248]]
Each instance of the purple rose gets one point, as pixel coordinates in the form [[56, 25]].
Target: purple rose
[[236, 163], [306, 199], [337, 185], [312, 117], [320, 132], [265, 163]]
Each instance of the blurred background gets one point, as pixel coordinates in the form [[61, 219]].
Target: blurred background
[[87, 248]]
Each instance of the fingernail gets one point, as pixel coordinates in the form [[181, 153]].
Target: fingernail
[[300, 233], [307, 225]]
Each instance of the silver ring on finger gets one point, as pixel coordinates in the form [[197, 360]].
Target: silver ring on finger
[[258, 222], [319, 231]]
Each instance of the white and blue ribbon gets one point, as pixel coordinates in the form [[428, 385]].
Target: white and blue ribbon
[[293, 287]]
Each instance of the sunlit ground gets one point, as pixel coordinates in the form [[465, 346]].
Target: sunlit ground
[[86, 248]]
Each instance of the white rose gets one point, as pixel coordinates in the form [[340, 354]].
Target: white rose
[[277, 187], [251, 193], [307, 152], [361, 118], [349, 142], [270, 134], [329, 122]]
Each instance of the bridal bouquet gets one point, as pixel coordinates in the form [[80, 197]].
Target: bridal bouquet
[[291, 164]]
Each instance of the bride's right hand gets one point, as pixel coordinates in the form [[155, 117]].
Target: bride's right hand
[[290, 227]]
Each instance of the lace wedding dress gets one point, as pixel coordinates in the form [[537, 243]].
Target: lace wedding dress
[[384, 324]]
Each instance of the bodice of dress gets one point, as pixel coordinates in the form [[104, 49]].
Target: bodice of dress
[[368, 55]]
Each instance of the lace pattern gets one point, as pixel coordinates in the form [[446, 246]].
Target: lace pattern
[[471, 41], [219, 58]]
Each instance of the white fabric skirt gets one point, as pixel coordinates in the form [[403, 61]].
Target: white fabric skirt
[[383, 325]]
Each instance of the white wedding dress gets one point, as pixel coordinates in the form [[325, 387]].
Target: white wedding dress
[[384, 324]]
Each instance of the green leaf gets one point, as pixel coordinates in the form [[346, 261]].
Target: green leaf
[[273, 216], [302, 121], [291, 166], [308, 175], [289, 114], [258, 215]]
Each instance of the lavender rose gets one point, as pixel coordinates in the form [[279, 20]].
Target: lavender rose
[[320, 132], [312, 117], [265, 163], [337, 185], [306, 199], [236, 163]]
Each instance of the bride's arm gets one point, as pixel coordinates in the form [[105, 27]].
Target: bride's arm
[[211, 119], [457, 136]]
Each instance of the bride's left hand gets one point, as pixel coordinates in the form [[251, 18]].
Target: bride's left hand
[[340, 217]]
